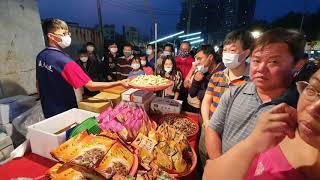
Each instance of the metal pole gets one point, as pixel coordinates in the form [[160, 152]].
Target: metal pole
[[155, 46], [189, 15], [100, 22], [304, 12]]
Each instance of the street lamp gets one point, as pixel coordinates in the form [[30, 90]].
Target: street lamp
[[192, 34], [190, 39], [216, 48], [256, 34], [167, 37], [197, 41]]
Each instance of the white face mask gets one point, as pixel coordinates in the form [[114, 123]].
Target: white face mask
[[148, 51], [143, 62], [84, 59], [90, 48], [65, 41], [166, 53], [135, 66], [202, 69], [113, 50], [230, 60], [168, 69]]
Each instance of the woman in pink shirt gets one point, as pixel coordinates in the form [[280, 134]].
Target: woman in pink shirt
[[284, 145]]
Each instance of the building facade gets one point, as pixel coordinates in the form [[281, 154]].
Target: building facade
[[215, 18], [131, 35], [109, 32], [80, 36]]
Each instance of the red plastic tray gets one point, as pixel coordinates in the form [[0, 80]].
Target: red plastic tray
[[162, 119]]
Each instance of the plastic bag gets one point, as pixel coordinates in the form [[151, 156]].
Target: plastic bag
[[29, 117]]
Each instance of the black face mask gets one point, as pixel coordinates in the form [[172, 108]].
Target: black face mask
[[183, 53]]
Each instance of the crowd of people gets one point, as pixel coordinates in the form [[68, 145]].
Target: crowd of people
[[252, 125]]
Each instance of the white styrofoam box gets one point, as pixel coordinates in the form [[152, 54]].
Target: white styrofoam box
[[7, 128], [6, 146], [42, 137], [126, 96], [16, 137], [11, 107], [136, 95], [164, 106]]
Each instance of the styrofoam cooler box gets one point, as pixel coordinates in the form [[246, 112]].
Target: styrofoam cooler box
[[6, 146], [42, 137], [136, 95], [11, 107], [16, 137]]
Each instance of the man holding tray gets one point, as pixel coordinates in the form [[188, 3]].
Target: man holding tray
[[58, 75]]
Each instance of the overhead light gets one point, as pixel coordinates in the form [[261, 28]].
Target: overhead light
[[192, 34], [216, 48], [167, 37], [190, 39], [256, 34], [197, 41]]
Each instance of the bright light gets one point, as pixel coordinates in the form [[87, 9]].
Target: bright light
[[216, 48], [167, 37], [256, 34], [192, 34], [197, 41], [190, 39]]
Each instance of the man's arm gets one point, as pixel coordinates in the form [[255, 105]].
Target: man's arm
[[216, 126], [205, 109], [96, 86], [206, 102], [75, 76], [239, 158], [213, 143]]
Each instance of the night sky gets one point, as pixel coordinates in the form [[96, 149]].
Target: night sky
[[133, 13]]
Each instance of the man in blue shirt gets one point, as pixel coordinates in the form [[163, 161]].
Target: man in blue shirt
[[58, 75]]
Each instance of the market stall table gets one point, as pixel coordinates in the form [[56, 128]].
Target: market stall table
[[28, 166], [35, 166]]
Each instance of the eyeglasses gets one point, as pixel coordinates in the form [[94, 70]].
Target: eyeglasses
[[306, 89], [64, 34]]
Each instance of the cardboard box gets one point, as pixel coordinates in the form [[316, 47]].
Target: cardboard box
[[42, 137], [165, 106], [6, 146], [115, 98], [146, 105], [11, 107], [136, 95], [116, 90], [126, 96], [94, 105]]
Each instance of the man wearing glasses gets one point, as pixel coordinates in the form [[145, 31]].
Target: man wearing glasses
[[275, 58], [58, 75]]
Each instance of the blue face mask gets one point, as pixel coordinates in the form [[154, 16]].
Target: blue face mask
[[135, 66]]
